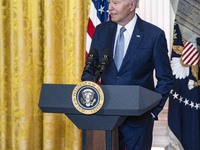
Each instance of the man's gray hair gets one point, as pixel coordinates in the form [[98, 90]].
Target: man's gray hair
[[137, 3]]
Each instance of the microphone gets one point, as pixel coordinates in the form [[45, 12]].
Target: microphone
[[90, 61], [101, 67]]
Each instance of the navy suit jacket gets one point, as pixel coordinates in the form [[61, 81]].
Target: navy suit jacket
[[147, 51]]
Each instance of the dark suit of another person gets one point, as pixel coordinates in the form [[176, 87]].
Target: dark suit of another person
[[146, 52]]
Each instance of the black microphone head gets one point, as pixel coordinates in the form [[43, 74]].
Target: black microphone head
[[93, 51], [90, 61], [93, 55], [107, 55], [101, 67]]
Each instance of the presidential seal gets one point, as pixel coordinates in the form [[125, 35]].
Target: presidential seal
[[87, 97]]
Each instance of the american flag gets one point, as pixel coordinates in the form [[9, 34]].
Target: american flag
[[98, 13]]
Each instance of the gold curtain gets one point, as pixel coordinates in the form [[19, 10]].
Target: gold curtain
[[41, 41]]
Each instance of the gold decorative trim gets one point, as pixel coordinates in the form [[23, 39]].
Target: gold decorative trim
[[197, 84], [178, 49], [87, 97], [195, 71]]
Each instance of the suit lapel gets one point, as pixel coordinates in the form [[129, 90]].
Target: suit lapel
[[111, 43], [134, 42], [112, 33]]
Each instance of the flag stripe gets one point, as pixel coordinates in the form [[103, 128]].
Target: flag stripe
[[91, 28], [93, 15], [187, 50], [96, 16], [195, 59], [189, 56]]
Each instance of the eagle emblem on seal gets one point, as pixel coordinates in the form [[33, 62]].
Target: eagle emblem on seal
[[88, 97]]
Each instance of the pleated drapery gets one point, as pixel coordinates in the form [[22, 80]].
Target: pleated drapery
[[41, 41]]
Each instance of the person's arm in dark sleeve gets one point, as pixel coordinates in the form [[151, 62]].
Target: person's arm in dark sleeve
[[163, 72]]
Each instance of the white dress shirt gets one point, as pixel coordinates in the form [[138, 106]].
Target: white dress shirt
[[127, 34]]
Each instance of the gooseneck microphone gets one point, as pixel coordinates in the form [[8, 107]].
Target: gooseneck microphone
[[101, 67], [90, 61]]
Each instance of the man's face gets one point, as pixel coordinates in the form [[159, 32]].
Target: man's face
[[122, 11]]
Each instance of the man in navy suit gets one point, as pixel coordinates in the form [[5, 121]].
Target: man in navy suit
[[145, 50]]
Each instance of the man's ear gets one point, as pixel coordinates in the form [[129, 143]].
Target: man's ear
[[133, 5]]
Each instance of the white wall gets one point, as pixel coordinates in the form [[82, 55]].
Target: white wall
[[160, 13]]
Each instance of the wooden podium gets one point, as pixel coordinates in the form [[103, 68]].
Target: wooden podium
[[119, 102]]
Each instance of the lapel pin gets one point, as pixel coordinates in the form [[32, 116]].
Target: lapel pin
[[138, 36]]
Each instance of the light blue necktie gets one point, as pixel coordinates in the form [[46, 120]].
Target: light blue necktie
[[119, 49]]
